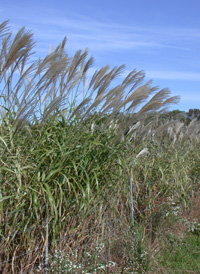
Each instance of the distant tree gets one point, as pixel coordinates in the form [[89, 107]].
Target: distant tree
[[174, 115], [194, 113]]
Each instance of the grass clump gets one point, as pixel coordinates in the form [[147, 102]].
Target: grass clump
[[68, 147]]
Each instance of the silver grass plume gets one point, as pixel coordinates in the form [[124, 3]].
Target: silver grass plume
[[48, 83]]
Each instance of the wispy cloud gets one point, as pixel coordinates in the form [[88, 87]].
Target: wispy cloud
[[174, 75], [111, 36], [191, 97], [83, 31]]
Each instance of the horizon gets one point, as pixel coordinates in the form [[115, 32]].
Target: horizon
[[162, 39]]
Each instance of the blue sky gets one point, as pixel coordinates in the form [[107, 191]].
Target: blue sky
[[160, 37]]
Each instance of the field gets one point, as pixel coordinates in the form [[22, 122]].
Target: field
[[96, 177]]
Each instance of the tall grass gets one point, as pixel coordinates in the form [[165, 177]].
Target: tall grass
[[68, 148]]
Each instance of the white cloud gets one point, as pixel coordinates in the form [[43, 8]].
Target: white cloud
[[191, 97], [173, 75], [84, 31]]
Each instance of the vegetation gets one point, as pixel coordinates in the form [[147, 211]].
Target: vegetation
[[69, 147]]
